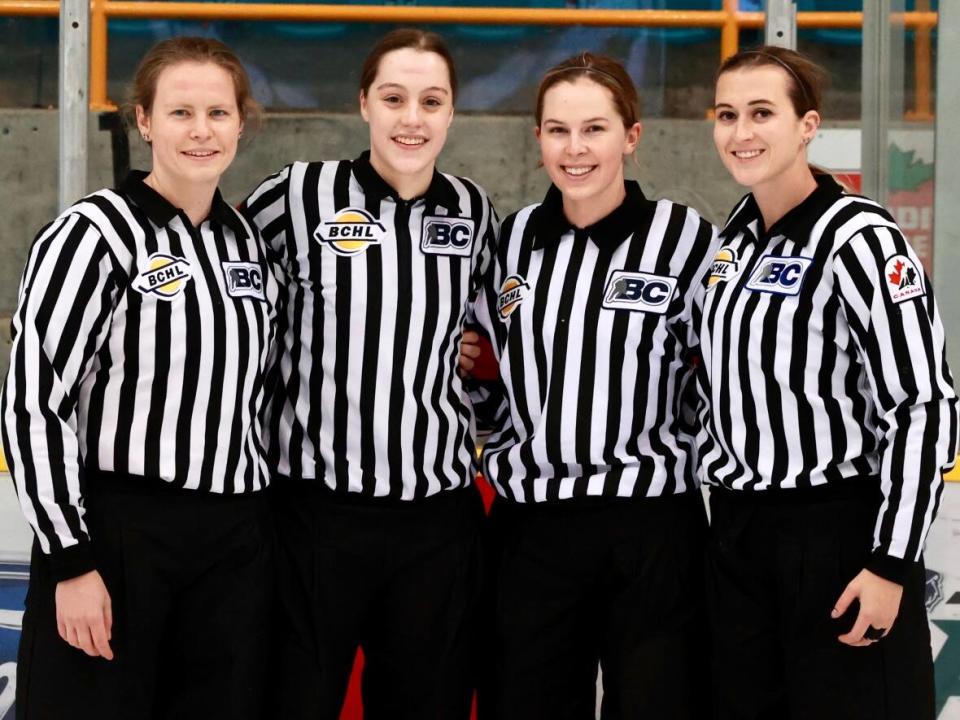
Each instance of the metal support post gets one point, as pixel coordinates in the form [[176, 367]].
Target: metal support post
[[946, 209], [882, 91], [781, 24], [74, 66]]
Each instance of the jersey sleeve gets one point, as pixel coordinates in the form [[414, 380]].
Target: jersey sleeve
[[267, 208], [894, 321], [486, 394], [689, 398], [489, 396], [66, 299]]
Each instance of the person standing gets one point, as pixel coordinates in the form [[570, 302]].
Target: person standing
[[598, 526], [828, 419], [371, 434], [143, 328]]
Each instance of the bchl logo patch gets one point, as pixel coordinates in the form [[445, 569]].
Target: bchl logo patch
[[904, 281], [166, 276], [351, 231], [640, 292], [725, 265], [447, 236], [244, 279], [513, 291], [779, 275]]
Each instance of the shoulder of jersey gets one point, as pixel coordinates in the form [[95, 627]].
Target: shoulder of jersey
[[465, 181], [86, 208], [523, 214], [470, 182]]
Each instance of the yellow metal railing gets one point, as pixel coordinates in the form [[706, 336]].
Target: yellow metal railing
[[729, 20]]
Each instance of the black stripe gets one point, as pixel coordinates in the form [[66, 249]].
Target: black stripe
[[342, 361]]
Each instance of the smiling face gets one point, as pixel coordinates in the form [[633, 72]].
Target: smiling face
[[760, 138], [193, 126], [583, 143], [409, 107]]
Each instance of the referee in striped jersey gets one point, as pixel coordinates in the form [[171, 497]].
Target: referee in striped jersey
[[599, 526], [145, 319], [829, 417], [371, 434]]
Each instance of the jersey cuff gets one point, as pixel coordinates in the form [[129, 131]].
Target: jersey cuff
[[72, 562], [888, 567]]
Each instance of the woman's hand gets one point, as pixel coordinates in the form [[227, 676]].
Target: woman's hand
[[476, 357], [84, 614], [879, 604], [469, 351]]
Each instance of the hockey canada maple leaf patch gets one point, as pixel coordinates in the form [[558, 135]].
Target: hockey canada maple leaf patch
[[904, 281]]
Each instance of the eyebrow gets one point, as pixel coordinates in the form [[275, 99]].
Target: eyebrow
[[590, 120], [435, 88], [752, 102]]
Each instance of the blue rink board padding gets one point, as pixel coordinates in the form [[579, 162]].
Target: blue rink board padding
[[13, 592]]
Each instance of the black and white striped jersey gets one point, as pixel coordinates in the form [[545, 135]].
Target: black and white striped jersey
[[592, 329], [369, 401], [139, 347], [824, 362]]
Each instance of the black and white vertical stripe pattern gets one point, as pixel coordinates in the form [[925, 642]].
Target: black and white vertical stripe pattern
[[596, 388], [831, 372], [108, 375], [370, 401]]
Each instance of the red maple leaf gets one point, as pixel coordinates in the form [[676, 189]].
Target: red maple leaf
[[895, 275]]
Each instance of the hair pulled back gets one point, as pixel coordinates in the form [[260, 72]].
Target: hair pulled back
[[601, 69], [807, 79], [403, 38], [174, 51]]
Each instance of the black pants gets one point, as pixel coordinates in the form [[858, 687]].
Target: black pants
[[776, 568], [189, 579], [399, 580], [614, 582]]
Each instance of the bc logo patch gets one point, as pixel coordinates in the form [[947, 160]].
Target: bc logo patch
[[351, 231], [639, 291], [165, 277], [447, 236], [513, 290], [724, 266], [904, 281], [779, 275], [244, 279]]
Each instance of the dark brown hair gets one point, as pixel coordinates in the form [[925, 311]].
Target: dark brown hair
[[400, 39], [197, 50], [807, 79], [601, 69]]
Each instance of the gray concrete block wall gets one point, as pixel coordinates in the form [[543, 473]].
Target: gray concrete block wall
[[676, 159]]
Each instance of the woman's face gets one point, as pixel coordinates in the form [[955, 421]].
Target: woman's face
[[194, 125], [583, 142], [760, 139], [409, 107]]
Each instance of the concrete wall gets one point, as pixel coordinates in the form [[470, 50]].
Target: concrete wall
[[676, 160]]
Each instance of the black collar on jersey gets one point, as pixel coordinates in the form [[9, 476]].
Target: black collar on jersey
[[798, 223], [439, 193], [633, 215], [161, 211]]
